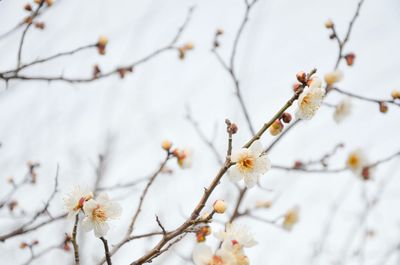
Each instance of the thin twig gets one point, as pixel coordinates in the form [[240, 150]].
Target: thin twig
[[106, 250]]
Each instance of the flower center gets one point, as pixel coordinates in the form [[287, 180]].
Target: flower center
[[246, 163], [99, 214], [216, 260], [353, 161]]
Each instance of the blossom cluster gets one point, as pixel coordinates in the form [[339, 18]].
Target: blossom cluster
[[97, 212], [234, 239]]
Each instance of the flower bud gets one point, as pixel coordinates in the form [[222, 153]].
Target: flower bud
[[219, 31], [232, 128], [23, 245], [49, 2], [101, 45], [383, 107], [276, 128], [365, 173], [329, 24], [286, 117], [28, 7], [166, 145], [396, 94], [301, 77], [350, 58], [296, 86], [219, 206], [298, 164]]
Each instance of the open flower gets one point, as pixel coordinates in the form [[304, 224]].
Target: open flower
[[333, 77], [75, 200], [342, 110], [310, 100], [357, 162], [98, 212], [291, 218], [203, 255], [250, 164], [236, 235]]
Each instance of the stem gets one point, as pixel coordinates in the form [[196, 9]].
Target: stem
[[106, 250], [74, 243]]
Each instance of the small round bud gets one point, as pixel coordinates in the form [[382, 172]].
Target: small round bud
[[49, 2], [166, 145], [35, 242], [219, 31], [28, 7], [103, 40], [101, 45], [276, 128], [23, 245], [296, 87], [298, 164], [301, 77], [232, 128], [332, 36], [396, 94], [286, 117], [329, 24], [365, 173], [383, 107], [219, 206], [350, 58]]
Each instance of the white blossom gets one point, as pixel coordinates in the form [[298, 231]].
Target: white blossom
[[98, 212], [342, 110], [333, 77], [203, 255], [250, 164], [310, 100], [236, 235], [357, 161], [75, 200]]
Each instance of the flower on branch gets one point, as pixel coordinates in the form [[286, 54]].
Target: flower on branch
[[75, 200], [203, 255], [357, 162], [98, 212], [342, 110], [310, 100], [333, 77], [184, 157], [236, 235], [291, 218], [250, 164]]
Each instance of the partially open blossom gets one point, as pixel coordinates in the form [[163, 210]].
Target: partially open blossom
[[291, 218], [75, 200], [250, 164], [219, 206], [333, 77], [184, 157], [202, 233], [342, 110], [101, 45], [276, 128], [98, 212], [357, 161], [236, 235], [310, 100], [203, 255], [395, 94]]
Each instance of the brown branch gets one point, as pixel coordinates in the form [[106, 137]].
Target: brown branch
[[379, 101], [168, 47], [342, 43], [29, 24], [106, 251], [73, 240]]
